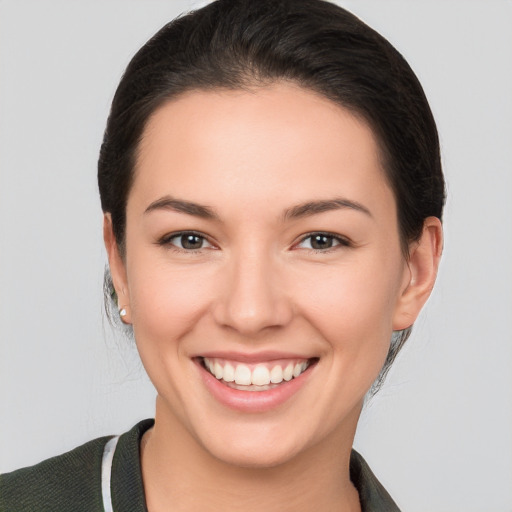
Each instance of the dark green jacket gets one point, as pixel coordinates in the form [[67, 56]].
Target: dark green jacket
[[72, 482]]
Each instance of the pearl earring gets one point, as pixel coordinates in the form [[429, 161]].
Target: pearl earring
[[122, 313]]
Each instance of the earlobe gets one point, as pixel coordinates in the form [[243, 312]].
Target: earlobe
[[423, 263], [117, 269], [124, 315]]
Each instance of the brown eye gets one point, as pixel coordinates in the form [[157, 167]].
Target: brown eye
[[319, 242], [187, 241], [191, 241], [322, 242]]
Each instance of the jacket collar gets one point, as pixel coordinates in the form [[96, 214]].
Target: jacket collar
[[128, 490]]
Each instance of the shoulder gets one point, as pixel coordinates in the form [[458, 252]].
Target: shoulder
[[372, 494], [70, 481]]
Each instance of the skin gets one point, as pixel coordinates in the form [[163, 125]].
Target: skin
[[252, 157]]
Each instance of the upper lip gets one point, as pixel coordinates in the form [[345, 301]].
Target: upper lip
[[254, 357]]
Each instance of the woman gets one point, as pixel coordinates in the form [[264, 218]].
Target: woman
[[272, 195]]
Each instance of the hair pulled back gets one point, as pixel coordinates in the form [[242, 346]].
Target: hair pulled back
[[239, 44]]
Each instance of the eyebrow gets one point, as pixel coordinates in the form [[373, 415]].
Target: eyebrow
[[296, 212], [181, 206], [315, 207]]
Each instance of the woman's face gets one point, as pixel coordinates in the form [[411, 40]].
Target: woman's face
[[262, 241]]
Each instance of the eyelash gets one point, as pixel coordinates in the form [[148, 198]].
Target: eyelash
[[340, 241], [166, 241]]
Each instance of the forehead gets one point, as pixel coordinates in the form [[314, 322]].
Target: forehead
[[264, 144]]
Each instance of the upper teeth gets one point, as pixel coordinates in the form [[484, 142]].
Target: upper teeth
[[259, 375]]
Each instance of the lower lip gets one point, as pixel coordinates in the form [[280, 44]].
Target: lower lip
[[252, 401]]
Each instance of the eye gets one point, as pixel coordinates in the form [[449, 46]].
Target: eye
[[322, 241], [187, 241]]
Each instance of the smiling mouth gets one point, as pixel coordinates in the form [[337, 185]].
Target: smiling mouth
[[256, 377]]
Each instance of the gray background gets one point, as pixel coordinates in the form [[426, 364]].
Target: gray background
[[439, 435]]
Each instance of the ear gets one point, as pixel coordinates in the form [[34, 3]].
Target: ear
[[424, 257], [117, 268]]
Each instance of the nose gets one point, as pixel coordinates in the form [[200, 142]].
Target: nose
[[254, 298]]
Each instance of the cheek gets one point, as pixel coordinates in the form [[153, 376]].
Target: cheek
[[167, 302], [352, 306]]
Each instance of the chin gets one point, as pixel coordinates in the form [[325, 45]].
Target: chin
[[258, 444], [250, 455]]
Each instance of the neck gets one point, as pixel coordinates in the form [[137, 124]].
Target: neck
[[180, 475]]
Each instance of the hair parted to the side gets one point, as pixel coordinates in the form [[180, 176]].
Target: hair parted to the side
[[239, 44]]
